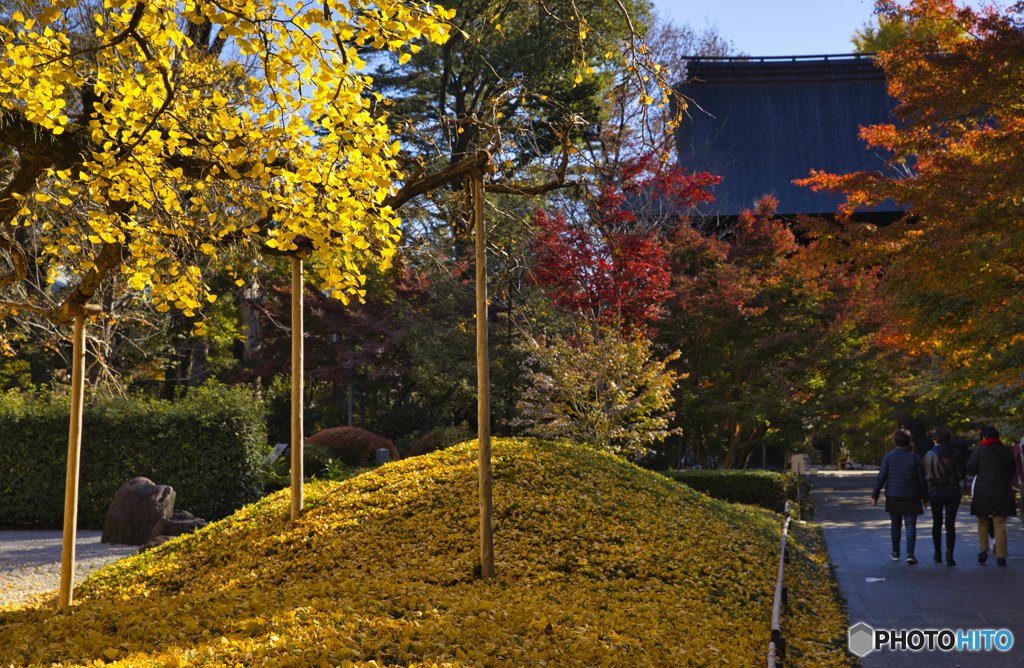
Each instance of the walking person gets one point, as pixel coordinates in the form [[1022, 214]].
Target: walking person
[[944, 468], [1019, 463], [906, 492], [992, 497]]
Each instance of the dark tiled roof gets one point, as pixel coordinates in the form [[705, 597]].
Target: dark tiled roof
[[770, 121]]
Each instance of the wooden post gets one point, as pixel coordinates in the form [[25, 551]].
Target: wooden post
[[483, 383], [67, 556], [297, 378]]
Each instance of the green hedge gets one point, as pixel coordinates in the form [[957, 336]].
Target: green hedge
[[209, 446], [767, 489]]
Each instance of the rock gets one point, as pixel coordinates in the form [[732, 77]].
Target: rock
[[182, 515], [176, 527], [138, 507], [159, 540]]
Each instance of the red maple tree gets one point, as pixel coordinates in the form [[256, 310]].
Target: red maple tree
[[613, 268]]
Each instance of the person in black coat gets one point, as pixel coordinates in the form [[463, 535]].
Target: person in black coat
[[993, 498], [906, 491], [944, 468]]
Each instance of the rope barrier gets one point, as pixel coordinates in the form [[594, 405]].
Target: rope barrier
[[777, 646]]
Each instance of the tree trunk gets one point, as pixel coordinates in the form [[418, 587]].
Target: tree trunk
[[247, 299], [198, 355], [697, 444], [739, 439]]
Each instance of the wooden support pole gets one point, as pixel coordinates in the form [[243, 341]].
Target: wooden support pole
[[297, 382], [483, 383], [67, 556], [351, 370]]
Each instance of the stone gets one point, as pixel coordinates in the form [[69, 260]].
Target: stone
[[138, 507], [159, 540], [174, 526]]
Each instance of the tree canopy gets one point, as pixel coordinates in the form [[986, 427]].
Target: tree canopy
[[513, 68], [774, 338], [890, 29], [141, 150], [952, 273]]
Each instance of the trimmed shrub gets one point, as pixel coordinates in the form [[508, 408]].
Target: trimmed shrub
[[209, 446], [353, 446], [767, 489], [440, 439]]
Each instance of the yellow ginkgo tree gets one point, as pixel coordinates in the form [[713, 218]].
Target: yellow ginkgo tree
[[141, 152], [150, 151]]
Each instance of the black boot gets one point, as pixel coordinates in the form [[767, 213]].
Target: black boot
[[949, 559], [938, 557]]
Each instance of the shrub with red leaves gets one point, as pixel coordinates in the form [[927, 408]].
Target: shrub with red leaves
[[440, 439], [353, 446]]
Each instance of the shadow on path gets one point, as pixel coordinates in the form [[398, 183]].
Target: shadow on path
[[928, 595]]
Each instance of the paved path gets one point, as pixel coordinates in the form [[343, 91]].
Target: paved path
[[928, 595], [30, 561]]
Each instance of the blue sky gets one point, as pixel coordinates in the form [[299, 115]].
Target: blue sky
[[779, 28]]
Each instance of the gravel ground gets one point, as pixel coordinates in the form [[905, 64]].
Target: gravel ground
[[30, 562]]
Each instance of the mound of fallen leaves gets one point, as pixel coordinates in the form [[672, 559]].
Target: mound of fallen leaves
[[599, 563]]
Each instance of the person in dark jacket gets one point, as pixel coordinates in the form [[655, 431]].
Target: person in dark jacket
[[993, 467], [944, 468], [906, 490], [1019, 464]]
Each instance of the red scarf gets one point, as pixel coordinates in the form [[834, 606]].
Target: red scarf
[[991, 441]]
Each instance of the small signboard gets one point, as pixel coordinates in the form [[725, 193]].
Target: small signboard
[[276, 453]]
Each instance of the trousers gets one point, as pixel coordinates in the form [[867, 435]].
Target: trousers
[[999, 522], [897, 522], [944, 512]]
